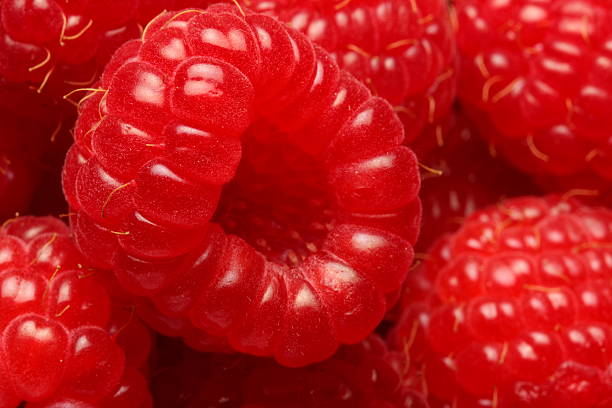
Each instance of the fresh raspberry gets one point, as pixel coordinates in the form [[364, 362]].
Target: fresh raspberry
[[514, 309], [404, 51], [460, 175], [59, 45], [216, 110], [538, 73], [366, 375], [54, 320]]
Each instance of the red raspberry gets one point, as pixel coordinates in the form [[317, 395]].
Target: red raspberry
[[404, 51], [54, 319], [460, 176], [366, 375], [538, 71], [63, 44], [320, 161], [514, 310]]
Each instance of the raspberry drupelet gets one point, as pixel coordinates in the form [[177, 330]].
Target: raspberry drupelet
[[230, 171], [404, 51], [366, 375], [60, 45], [56, 325], [538, 74], [514, 309]]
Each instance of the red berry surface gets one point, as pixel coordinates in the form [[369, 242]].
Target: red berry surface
[[59, 45], [514, 309], [55, 318], [231, 172], [460, 175], [538, 73], [404, 51], [366, 375]]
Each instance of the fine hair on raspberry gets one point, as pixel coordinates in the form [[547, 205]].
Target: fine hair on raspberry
[[226, 169]]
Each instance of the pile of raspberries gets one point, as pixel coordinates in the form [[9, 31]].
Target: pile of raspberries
[[305, 204]]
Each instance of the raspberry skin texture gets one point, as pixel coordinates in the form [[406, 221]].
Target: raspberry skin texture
[[539, 77], [460, 175], [59, 45], [513, 310], [403, 51], [55, 321], [366, 375], [159, 151]]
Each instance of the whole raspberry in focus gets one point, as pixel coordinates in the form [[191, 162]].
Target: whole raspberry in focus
[[56, 329], [460, 175], [515, 309], [60, 45], [537, 74], [366, 375], [229, 171], [403, 51]]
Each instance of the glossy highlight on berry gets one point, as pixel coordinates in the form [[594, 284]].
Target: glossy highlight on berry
[[513, 310], [250, 195]]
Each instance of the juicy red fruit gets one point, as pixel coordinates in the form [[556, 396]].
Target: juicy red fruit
[[402, 51], [539, 76], [516, 307], [460, 175], [54, 314], [56, 46], [299, 264]]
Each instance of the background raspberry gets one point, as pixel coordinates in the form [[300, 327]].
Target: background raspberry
[[513, 308], [402, 51], [538, 79]]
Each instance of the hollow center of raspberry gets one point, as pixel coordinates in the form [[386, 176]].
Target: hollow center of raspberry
[[278, 201]]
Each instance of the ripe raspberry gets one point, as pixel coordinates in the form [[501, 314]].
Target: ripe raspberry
[[60, 45], [460, 176], [403, 51], [366, 375], [53, 320], [214, 109], [514, 310], [537, 72]]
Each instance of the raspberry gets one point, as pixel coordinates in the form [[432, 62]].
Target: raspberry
[[514, 309], [461, 176], [215, 119], [403, 51], [538, 74], [53, 322], [366, 375], [58, 45]]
